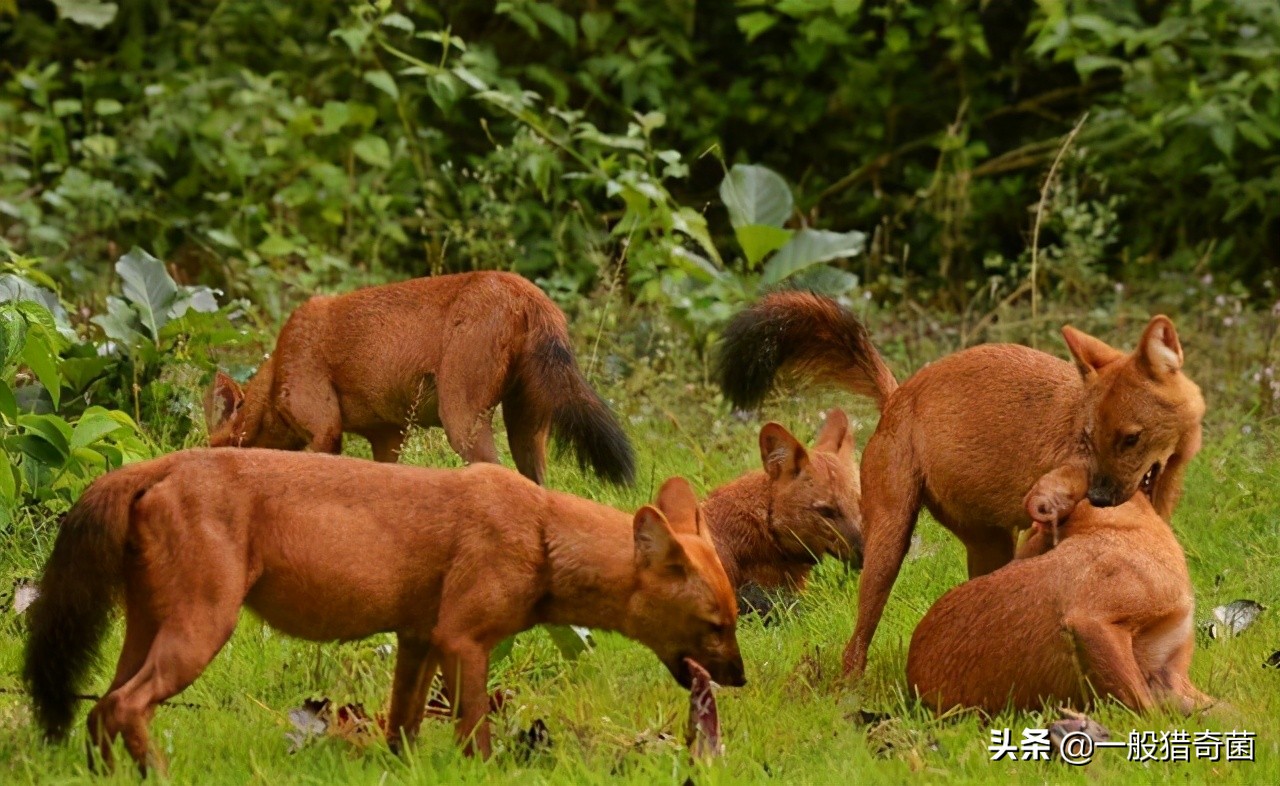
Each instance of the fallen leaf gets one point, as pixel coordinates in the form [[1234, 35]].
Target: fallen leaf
[[1272, 662], [703, 735], [25, 593], [1233, 618]]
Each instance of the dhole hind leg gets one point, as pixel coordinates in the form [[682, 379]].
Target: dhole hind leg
[[1106, 658], [527, 436], [139, 635], [386, 444], [416, 666], [468, 393], [890, 505]]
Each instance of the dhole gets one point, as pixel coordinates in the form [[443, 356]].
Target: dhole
[[1107, 611], [968, 435], [334, 548], [441, 351], [772, 525]]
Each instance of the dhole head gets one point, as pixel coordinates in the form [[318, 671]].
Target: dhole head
[[814, 494], [222, 409], [1140, 411], [683, 606]]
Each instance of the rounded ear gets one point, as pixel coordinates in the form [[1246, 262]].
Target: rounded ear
[[1090, 354], [782, 454], [1160, 352], [679, 503], [836, 435], [656, 544], [222, 399]]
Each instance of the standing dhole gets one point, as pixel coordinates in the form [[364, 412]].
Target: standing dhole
[[1107, 611], [334, 548], [967, 436], [440, 351], [772, 526]]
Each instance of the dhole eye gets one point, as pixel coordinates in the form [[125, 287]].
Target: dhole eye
[[826, 511], [1129, 440]]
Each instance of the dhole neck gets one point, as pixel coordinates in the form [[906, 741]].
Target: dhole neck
[[739, 515], [591, 562]]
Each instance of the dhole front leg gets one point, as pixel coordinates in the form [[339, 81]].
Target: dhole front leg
[[988, 549], [1105, 654], [890, 505]]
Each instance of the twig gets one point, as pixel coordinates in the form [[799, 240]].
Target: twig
[[91, 697], [1044, 197]]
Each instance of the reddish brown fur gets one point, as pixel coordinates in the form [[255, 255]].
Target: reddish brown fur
[[968, 435], [442, 351], [334, 548], [772, 525], [1107, 611]]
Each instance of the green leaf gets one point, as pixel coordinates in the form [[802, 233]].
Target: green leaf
[[13, 335], [92, 427], [810, 247], [107, 106], [698, 268], [43, 361], [90, 13], [759, 241], [148, 287], [276, 246], [384, 82], [756, 195], [8, 404], [373, 150], [51, 430], [756, 24], [8, 485], [571, 640], [825, 280], [118, 323], [690, 222]]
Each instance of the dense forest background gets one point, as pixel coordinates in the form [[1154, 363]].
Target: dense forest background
[[176, 176]]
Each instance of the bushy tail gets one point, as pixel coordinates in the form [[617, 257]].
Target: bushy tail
[[77, 593], [552, 387], [802, 333]]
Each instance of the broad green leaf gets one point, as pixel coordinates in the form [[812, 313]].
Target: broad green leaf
[[18, 290], [759, 241], [825, 280], [107, 106], [810, 247], [90, 13], [276, 246], [756, 195], [77, 373], [53, 431], [118, 322], [92, 427], [398, 21], [698, 268], [384, 82], [571, 640], [8, 484], [690, 222], [148, 287], [756, 24], [13, 334], [42, 360], [8, 404], [373, 150]]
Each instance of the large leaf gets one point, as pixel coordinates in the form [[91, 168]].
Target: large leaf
[[48, 438], [149, 288], [811, 247], [18, 290], [756, 195], [571, 640], [825, 280], [698, 268], [13, 335], [92, 427], [118, 322], [90, 13], [8, 404], [692, 223], [43, 362], [759, 241]]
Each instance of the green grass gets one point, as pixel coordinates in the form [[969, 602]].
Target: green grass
[[615, 716]]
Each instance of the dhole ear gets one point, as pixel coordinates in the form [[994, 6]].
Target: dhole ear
[[1090, 354], [782, 454], [679, 503], [1160, 352], [222, 399], [836, 435], [656, 544]]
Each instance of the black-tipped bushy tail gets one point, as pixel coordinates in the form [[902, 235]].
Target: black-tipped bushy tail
[[77, 593], [580, 419], [802, 333]]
